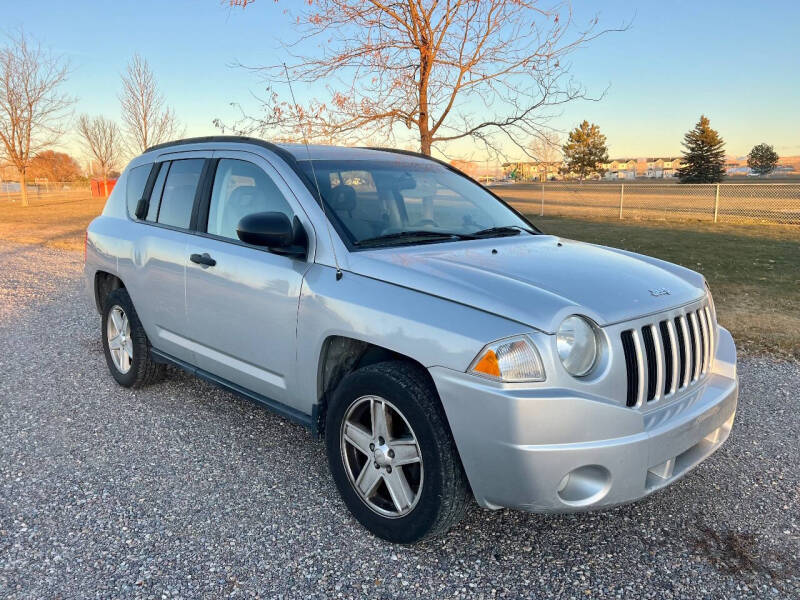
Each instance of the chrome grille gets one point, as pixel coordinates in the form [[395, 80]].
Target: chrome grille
[[667, 355]]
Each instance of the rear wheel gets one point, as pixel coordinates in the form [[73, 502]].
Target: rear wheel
[[391, 453], [125, 343]]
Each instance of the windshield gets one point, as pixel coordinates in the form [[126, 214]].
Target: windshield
[[378, 203]]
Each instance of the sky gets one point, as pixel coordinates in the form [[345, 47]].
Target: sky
[[736, 62]]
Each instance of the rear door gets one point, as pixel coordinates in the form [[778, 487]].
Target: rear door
[[242, 301], [161, 252]]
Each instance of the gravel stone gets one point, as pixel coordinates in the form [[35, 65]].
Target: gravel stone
[[183, 490]]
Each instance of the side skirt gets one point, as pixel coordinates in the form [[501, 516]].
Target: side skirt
[[277, 407]]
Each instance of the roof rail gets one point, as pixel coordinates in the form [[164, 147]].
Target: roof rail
[[214, 138]]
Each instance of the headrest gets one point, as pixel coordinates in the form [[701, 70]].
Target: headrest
[[244, 194], [343, 198]]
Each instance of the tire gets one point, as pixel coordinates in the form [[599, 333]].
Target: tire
[[437, 482], [129, 371]]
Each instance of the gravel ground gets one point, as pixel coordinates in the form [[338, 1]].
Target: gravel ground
[[183, 490]]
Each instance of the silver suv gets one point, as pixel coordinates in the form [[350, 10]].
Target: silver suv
[[444, 346]]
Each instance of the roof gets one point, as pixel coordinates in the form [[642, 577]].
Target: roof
[[320, 152], [298, 152]]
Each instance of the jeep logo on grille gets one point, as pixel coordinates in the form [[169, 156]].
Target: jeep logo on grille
[[659, 292]]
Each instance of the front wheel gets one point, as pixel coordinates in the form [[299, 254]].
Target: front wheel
[[391, 453]]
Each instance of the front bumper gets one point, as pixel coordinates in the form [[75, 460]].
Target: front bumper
[[553, 450]]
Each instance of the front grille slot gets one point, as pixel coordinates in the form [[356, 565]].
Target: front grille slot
[[669, 358], [694, 346], [680, 328], [650, 356], [667, 355], [631, 365]]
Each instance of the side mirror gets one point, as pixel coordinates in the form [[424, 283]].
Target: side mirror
[[273, 230]]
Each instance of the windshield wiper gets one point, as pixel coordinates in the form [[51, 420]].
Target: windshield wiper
[[503, 230], [418, 235]]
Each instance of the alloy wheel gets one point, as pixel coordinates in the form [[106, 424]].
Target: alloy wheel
[[382, 456], [120, 344]]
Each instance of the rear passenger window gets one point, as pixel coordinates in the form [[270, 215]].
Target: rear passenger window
[[134, 189], [180, 186], [240, 189]]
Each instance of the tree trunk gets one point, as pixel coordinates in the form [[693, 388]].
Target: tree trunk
[[23, 188], [425, 136], [105, 183], [425, 142]]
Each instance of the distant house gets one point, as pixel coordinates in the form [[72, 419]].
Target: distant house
[[620, 168], [533, 171], [660, 168]]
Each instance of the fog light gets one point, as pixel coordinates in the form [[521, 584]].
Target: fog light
[[584, 485]]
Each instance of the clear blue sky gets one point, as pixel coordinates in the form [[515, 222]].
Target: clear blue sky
[[737, 62]]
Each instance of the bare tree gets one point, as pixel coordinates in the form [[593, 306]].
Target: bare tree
[[546, 148], [32, 106], [147, 120], [101, 137], [482, 69]]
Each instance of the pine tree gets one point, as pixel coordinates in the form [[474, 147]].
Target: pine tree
[[704, 155], [585, 150], [762, 159]]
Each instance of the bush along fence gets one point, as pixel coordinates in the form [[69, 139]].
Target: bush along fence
[[724, 202]]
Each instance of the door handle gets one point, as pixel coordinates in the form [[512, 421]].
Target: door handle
[[203, 259]]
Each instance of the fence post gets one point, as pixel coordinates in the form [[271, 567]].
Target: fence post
[[716, 204], [541, 212], [621, 198]]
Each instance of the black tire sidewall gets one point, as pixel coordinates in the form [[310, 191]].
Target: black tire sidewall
[[422, 518], [120, 297]]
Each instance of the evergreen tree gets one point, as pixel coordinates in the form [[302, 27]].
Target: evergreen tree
[[585, 150], [762, 159], [704, 155]]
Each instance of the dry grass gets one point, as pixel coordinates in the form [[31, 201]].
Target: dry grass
[[738, 203], [754, 270], [49, 221]]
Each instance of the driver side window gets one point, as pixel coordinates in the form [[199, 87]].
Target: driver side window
[[240, 189]]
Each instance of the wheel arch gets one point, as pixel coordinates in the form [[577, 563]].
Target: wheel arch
[[104, 284], [341, 355]]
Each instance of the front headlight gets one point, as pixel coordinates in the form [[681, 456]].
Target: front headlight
[[576, 343], [511, 360]]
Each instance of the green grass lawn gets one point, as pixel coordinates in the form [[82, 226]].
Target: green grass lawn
[[753, 270]]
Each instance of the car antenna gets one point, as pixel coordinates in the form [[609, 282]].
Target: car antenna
[[316, 181]]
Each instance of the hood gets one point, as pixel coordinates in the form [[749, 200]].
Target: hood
[[536, 280]]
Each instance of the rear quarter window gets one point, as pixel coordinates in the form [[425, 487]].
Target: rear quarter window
[[134, 189]]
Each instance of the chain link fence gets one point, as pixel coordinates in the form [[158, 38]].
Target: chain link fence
[[718, 203], [10, 191]]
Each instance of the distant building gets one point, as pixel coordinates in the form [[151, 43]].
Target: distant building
[[661, 168], [652, 168], [620, 168], [533, 171], [469, 167]]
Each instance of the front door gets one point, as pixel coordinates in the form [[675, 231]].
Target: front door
[[242, 300]]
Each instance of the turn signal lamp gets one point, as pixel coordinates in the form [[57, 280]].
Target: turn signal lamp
[[512, 360]]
